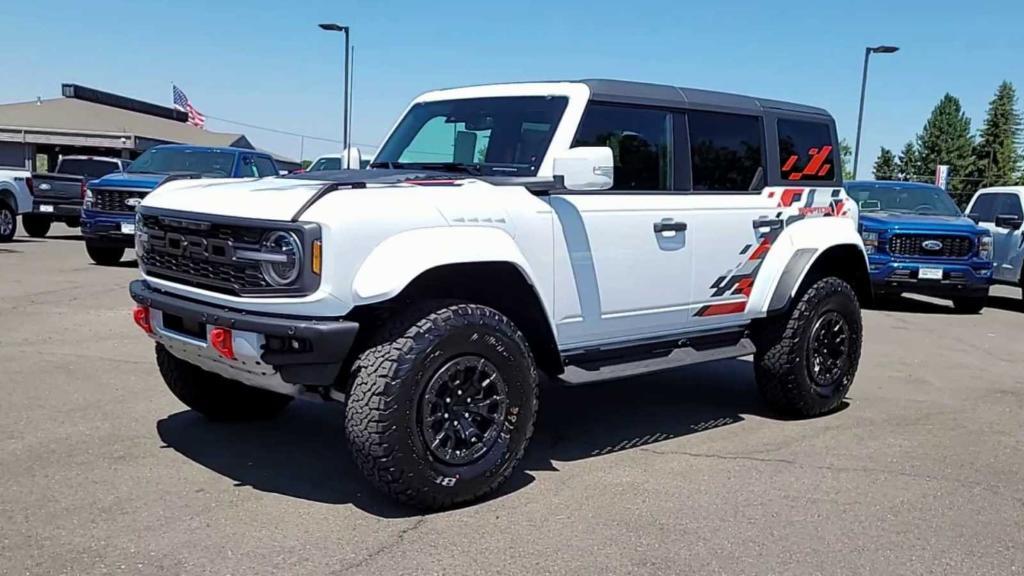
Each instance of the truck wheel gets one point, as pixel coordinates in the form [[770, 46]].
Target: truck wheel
[[442, 404], [969, 304], [35, 226], [806, 360], [104, 255], [215, 396], [8, 222], [73, 222]]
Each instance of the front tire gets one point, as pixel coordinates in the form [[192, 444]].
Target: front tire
[[36, 226], [214, 396], [104, 255], [806, 361], [442, 404], [969, 304], [8, 222]]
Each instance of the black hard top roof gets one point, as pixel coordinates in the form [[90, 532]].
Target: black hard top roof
[[642, 93]]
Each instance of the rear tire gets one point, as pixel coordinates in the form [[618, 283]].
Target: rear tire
[[8, 222], [104, 255], [36, 226], [969, 304], [214, 396], [806, 360], [442, 404]]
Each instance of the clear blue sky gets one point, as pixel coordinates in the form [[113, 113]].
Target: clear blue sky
[[265, 62]]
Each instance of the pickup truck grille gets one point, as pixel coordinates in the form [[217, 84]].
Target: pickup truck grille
[[914, 245], [202, 257], [115, 199]]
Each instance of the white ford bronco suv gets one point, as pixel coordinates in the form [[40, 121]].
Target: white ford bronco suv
[[566, 231]]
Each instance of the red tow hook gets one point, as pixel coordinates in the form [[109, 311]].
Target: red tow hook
[[141, 317], [223, 342]]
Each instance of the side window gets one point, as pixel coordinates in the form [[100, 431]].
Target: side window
[[725, 152], [806, 151], [265, 167], [985, 207], [1011, 206], [246, 167], [640, 142]]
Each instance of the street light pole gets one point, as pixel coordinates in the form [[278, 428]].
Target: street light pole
[[863, 88], [345, 97]]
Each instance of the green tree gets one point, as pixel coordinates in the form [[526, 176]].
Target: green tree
[[946, 139], [846, 159], [306, 164], [907, 162], [997, 155], [885, 165]]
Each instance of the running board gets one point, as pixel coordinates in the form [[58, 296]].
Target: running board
[[598, 365]]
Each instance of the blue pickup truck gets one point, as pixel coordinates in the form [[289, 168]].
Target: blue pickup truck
[[108, 210], [919, 242]]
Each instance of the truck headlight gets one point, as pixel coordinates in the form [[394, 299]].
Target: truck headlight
[[87, 199], [985, 247], [281, 260], [870, 241]]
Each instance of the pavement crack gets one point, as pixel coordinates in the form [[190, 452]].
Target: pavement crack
[[720, 456], [388, 547]]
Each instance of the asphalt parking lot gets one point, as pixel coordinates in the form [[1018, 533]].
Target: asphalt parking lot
[[102, 471]]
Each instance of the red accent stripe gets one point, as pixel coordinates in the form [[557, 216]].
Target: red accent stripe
[[722, 309], [789, 163], [817, 160], [824, 169], [788, 195], [744, 286], [761, 250]]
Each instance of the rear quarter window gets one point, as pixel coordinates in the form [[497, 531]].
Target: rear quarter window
[[806, 151]]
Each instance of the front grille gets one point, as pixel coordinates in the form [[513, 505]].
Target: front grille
[[913, 245], [214, 268], [115, 200]]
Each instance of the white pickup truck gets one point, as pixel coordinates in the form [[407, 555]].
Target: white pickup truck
[[15, 199], [573, 231], [1001, 211]]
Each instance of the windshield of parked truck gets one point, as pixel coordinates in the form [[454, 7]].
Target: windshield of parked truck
[[911, 199], [506, 136], [87, 167], [212, 163], [325, 164]]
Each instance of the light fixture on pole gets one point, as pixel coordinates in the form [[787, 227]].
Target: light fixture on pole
[[330, 27], [863, 86]]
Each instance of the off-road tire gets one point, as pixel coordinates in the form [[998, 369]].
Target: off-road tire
[[214, 396], [782, 361], [969, 304], [389, 380], [36, 226], [8, 222], [104, 255]]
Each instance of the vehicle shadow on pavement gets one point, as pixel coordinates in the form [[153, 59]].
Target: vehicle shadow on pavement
[[913, 305], [303, 452], [1005, 303]]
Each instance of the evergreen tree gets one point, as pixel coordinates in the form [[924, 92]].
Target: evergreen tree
[[907, 163], [846, 159], [885, 165], [997, 155], [946, 139]]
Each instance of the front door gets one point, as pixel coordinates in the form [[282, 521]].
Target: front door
[[624, 256], [1006, 242]]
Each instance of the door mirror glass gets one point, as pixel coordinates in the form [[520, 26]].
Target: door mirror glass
[[585, 168], [1009, 221]]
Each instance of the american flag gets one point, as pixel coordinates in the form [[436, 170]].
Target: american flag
[[181, 102]]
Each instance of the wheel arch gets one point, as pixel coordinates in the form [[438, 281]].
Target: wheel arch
[[9, 197], [847, 262]]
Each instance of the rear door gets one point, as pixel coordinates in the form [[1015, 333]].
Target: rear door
[[629, 251]]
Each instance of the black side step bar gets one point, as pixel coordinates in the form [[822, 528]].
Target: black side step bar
[[590, 366]]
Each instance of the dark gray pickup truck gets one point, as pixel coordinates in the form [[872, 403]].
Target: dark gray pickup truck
[[58, 195]]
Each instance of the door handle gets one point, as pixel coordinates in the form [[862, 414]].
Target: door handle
[[669, 225], [772, 223]]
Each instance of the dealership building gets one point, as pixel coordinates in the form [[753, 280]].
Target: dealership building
[[33, 135]]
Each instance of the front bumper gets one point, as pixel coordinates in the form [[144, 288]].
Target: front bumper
[[263, 344], [109, 228], [959, 277]]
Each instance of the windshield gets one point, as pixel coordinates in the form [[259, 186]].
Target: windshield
[[87, 168], [927, 200], [506, 136], [176, 160], [325, 164]]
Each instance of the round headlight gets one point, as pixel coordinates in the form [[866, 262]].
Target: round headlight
[[284, 258]]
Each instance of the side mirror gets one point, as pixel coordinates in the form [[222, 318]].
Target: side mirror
[[351, 159], [585, 168], [1009, 221]]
